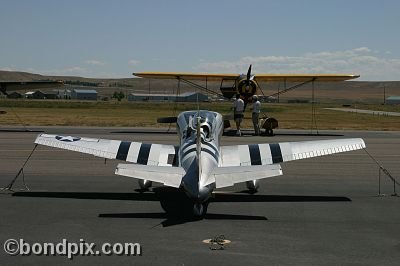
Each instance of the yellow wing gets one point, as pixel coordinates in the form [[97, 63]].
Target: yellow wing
[[188, 76], [259, 77], [304, 77]]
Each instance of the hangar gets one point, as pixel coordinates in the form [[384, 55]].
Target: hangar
[[84, 94], [184, 97]]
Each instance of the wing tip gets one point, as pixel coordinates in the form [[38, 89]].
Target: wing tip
[[362, 143]]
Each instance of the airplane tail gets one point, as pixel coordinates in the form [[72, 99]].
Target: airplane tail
[[228, 176], [169, 176]]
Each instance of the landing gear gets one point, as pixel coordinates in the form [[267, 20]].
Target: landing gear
[[145, 184], [252, 186], [269, 124], [200, 209], [269, 132]]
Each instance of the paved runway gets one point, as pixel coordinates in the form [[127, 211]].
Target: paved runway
[[321, 211]]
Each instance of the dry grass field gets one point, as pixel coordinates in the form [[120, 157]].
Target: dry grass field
[[143, 114]]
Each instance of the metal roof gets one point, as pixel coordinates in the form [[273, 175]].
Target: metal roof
[[85, 91], [393, 98]]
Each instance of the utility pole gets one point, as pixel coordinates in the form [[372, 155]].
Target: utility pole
[[384, 95]]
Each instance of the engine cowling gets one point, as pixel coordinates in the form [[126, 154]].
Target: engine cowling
[[145, 184], [246, 89]]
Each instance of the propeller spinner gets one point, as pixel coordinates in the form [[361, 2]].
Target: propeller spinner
[[247, 87]]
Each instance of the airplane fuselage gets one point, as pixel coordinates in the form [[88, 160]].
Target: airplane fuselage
[[199, 135]]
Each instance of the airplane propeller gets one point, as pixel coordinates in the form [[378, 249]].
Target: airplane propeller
[[248, 76]]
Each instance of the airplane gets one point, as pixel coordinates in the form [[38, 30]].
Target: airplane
[[24, 85], [245, 84], [199, 165]]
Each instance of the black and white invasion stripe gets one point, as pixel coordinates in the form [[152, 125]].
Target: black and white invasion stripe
[[147, 153], [189, 150]]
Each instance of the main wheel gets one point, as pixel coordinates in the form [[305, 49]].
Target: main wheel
[[252, 186], [145, 184]]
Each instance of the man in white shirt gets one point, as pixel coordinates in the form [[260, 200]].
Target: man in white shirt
[[256, 109], [238, 108]]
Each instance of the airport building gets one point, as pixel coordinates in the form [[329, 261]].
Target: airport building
[[63, 94], [78, 94], [184, 97], [35, 95], [14, 95], [51, 95], [393, 100]]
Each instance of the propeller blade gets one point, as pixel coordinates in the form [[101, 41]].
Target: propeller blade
[[249, 73]]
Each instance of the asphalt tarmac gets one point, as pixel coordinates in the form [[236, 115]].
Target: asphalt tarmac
[[323, 210]]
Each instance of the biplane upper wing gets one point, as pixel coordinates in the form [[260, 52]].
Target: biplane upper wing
[[305, 77], [188, 76], [258, 77]]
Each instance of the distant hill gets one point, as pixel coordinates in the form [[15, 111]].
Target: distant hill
[[19, 76], [350, 91]]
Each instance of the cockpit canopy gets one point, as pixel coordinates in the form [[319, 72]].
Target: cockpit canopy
[[187, 123]]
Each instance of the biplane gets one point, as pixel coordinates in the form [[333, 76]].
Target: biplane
[[247, 84]]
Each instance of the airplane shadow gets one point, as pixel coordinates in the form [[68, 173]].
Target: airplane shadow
[[177, 207], [251, 197], [182, 217]]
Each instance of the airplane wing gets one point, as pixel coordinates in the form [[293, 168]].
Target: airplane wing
[[305, 77], [135, 152], [267, 154], [262, 160], [258, 77], [188, 76]]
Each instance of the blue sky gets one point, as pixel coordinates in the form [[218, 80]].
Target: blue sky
[[116, 38]]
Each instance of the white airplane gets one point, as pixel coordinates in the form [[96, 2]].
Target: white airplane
[[199, 164]]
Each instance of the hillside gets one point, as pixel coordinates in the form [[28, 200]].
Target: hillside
[[350, 91]]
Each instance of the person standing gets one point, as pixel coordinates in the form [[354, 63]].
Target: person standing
[[256, 109], [238, 108]]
